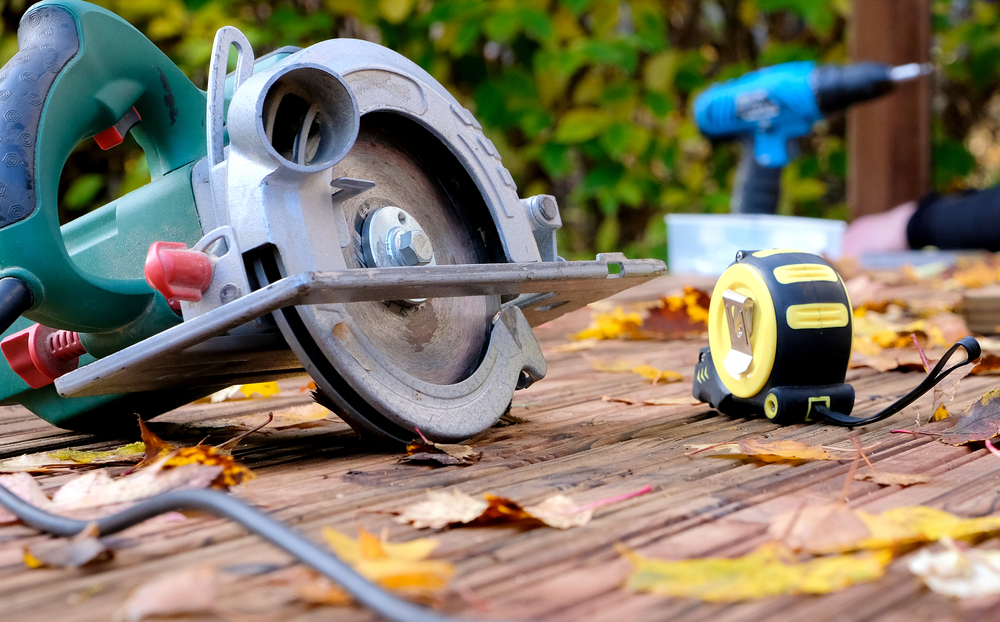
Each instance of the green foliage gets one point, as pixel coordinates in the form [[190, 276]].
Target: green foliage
[[589, 100]]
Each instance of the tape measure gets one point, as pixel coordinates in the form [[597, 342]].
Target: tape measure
[[780, 333]]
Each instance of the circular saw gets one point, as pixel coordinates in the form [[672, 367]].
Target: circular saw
[[332, 210]]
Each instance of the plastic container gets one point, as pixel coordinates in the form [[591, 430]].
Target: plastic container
[[707, 243]]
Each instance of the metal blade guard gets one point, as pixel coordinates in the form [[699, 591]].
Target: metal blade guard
[[357, 225]]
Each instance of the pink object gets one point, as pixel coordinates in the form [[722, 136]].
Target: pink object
[[40, 354], [176, 272]]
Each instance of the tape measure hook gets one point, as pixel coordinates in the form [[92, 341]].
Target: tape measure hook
[[739, 317]]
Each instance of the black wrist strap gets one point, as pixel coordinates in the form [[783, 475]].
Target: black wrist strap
[[936, 375]]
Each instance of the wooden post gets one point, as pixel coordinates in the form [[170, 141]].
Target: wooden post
[[888, 140]]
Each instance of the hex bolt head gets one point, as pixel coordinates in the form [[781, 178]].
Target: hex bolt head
[[415, 248], [547, 207]]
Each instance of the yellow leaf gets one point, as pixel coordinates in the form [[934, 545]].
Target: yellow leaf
[[133, 451], [921, 524], [30, 560], [768, 571], [614, 325], [401, 567], [657, 375], [264, 389], [233, 473], [768, 451], [940, 414]]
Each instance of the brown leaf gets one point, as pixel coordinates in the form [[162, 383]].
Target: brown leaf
[[457, 508], [191, 590], [766, 451], [616, 400], [156, 447], [672, 401], [97, 488], [80, 550], [424, 450], [944, 391], [231, 473], [442, 508], [24, 486], [829, 527], [678, 317], [980, 422], [988, 363], [888, 360], [507, 419], [892, 479]]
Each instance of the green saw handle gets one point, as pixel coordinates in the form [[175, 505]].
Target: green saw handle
[[78, 70]]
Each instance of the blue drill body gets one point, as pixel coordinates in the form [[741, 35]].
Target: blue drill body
[[772, 105], [765, 109]]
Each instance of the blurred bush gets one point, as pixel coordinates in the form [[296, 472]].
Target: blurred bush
[[589, 100]]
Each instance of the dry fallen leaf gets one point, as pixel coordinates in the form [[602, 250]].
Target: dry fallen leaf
[[96, 488], [959, 573], [979, 423], [25, 487], [47, 461], [831, 527], [82, 549], [646, 371], [230, 473], [944, 392], [243, 391], [441, 509], [586, 344], [401, 567], [837, 530], [614, 325], [425, 451], [883, 478], [672, 401], [190, 590], [766, 451], [768, 571], [657, 375], [300, 417], [678, 317]]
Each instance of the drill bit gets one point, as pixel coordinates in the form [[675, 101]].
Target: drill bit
[[910, 71]]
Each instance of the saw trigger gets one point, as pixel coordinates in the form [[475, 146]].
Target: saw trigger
[[115, 135]]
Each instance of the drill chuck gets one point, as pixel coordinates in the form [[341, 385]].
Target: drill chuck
[[836, 87]]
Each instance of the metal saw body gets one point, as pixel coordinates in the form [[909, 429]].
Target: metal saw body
[[332, 210]]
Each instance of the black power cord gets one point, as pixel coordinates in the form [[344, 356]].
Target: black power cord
[[225, 506], [936, 375]]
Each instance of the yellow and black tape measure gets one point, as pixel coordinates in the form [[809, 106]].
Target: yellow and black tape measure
[[780, 334]]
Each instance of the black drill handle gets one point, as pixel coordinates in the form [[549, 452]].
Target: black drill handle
[[758, 187]]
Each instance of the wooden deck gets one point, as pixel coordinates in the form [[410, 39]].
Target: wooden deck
[[573, 443]]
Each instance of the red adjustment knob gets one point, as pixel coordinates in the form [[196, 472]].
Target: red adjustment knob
[[40, 354], [176, 272]]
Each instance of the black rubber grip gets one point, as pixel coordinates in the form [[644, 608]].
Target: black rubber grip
[[757, 188], [47, 40], [15, 299]]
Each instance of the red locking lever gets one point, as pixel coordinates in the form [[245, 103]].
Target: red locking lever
[[176, 272]]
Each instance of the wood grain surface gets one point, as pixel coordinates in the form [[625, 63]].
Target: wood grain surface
[[572, 443]]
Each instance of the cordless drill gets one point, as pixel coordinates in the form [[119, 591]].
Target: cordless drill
[[767, 108]]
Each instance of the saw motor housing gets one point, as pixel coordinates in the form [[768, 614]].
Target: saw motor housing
[[332, 210], [780, 334]]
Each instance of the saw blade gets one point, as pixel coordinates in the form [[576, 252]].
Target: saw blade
[[440, 340]]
